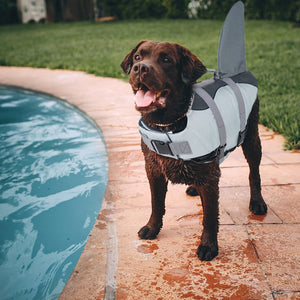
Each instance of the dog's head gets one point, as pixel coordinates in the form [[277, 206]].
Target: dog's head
[[161, 76]]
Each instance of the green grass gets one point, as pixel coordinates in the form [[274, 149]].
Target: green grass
[[272, 48]]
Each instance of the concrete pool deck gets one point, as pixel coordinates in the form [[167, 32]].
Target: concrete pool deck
[[259, 256]]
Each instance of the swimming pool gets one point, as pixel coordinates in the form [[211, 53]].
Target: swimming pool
[[53, 175]]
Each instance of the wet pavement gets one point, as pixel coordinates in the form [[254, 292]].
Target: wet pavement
[[259, 256]]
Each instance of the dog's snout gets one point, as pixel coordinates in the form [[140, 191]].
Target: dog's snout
[[141, 69]]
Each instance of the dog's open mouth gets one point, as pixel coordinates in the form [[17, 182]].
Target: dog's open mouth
[[145, 97]]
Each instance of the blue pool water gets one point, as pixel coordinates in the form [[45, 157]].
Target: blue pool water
[[53, 174]]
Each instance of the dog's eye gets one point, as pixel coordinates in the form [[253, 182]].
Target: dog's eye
[[137, 57], [166, 59]]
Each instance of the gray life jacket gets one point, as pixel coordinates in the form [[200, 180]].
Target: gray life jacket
[[216, 121], [220, 107]]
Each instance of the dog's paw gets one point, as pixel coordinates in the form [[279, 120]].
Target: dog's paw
[[207, 253], [258, 207], [147, 233], [191, 191]]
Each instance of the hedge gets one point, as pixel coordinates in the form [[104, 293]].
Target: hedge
[[284, 10]]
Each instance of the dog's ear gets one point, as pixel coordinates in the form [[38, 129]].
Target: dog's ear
[[128, 60], [191, 67]]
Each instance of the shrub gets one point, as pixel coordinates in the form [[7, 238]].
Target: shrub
[[285, 10], [132, 9], [176, 8], [8, 12]]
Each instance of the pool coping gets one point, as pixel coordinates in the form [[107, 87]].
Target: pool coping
[[71, 87], [112, 245]]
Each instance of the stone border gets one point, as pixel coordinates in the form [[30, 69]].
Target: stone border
[[94, 274]]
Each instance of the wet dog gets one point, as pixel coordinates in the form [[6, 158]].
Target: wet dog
[[161, 76]]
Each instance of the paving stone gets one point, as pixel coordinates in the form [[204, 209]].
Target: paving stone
[[237, 159], [278, 248], [167, 268], [235, 201], [270, 175], [284, 201]]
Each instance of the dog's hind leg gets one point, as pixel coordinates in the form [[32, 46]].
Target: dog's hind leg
[[252, 151]]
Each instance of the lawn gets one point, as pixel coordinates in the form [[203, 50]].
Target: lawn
[[272, 49]]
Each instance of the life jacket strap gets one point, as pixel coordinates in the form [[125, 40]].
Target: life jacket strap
[[218, 118], [241, 106]]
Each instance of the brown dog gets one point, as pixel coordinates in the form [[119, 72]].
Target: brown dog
[[161, 76]]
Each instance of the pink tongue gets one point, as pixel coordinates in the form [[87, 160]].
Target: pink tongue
[[143, 99]]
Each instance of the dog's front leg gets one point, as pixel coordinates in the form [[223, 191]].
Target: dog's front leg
[[209, 194], [158, 187]]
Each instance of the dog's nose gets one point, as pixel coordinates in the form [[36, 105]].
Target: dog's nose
[[141, 68]]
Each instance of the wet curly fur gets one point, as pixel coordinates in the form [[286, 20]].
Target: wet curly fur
[[173, 68]]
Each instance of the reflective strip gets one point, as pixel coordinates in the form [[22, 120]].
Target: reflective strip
[[179, 148], [240, 101]]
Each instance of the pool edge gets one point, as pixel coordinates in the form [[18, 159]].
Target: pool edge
[[94, 274]]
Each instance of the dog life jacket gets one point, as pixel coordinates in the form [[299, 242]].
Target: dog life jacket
[[217, 117], [216, 121]]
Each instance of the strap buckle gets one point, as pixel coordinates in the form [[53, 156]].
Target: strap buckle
[[162, 147]]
